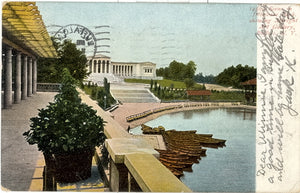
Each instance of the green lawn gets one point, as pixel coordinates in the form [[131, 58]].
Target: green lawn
[[162, 83], [228, 96], [216, 96]]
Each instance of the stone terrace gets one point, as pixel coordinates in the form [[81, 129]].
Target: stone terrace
[[18, 158]]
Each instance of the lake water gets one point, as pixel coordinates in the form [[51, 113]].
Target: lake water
[[227, 169]]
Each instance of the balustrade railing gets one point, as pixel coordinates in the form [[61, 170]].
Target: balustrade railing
[[48, 87]]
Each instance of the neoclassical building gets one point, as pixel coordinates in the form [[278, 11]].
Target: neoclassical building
[[101, 64]]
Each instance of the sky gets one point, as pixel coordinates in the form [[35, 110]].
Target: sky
[[214, 36]]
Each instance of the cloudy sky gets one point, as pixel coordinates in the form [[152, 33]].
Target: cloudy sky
[[214, 36]]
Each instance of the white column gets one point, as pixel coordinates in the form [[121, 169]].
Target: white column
[[104, 63], [103, 66], [92, 66], [17, 91], [139, 70], [34, 76], [29, 83], [95, 66], [24, 78], [99, 66], [8, 79], [110, 67], [107, 66]]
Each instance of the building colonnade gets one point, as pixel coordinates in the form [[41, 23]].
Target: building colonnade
[[20, 76], [105, 66], [122, 70], [99, 66]]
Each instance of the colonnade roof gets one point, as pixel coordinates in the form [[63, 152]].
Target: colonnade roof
[[23, 27]]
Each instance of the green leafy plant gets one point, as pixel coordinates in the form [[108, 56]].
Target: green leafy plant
[[66, 125]]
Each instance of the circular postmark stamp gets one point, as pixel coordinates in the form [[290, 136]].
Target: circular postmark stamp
[[84, 38]]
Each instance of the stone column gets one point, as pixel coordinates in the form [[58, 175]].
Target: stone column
[[138, 70], [100, 66], [92, 66], [107, 65], [104, 64], [8, 79], [29, 82], [34, 76], [24, 78], [17, 91], [95, 66]]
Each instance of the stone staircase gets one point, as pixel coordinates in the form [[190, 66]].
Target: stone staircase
[[134, 96]]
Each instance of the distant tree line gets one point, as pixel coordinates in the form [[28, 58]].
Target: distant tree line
[[178, 71], [200, 78], [233, 76]]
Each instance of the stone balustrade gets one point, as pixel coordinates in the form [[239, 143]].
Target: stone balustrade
[[133, 162], [48, 87]]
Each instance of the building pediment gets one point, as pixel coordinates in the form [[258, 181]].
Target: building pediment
[[98, 56]]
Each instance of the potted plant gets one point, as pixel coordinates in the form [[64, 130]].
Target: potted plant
[[67, 131]]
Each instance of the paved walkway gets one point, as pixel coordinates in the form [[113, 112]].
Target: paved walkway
[[18, 158]]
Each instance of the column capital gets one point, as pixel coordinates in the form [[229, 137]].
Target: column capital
[[8, 47]]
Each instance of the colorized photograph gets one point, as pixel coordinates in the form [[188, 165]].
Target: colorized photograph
[[140, 97]]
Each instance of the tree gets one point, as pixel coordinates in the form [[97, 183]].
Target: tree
[[200, 78], [155, 85], [190, 70], [233, 76], [178, 71], [189, 83], [73, 59], [106, 86], [46, 71], [49, 69], [158, 91], [151, 84]]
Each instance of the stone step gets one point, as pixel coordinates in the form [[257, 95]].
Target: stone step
[[129, 91], [138, 100], [133, 96], [142, 95]]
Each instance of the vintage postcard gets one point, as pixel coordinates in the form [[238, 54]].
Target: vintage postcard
[[188, 96]]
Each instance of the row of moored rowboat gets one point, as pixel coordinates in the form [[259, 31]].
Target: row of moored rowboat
[[183, 148]]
